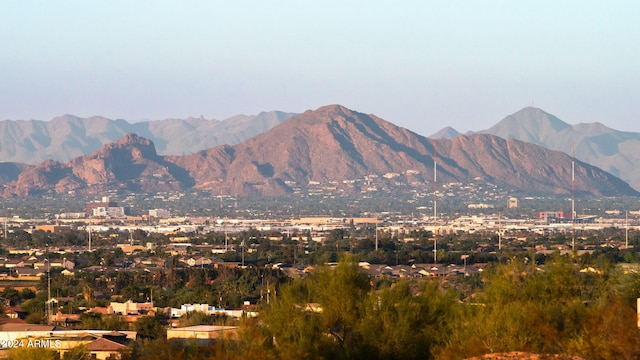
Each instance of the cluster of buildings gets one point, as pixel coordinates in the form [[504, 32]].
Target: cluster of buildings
[[33, 266], [62, 337], [105, 214], [100, 344], [565, 217], [106, 208]]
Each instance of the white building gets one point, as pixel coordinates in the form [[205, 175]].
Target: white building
[[114, 212], [160, 213]]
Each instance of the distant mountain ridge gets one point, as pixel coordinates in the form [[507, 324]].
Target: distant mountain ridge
[[614, 151], [66, 137], [446, 133], [332, 145]]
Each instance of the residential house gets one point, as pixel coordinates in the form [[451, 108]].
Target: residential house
[[203, 334], [14, 263], [131, 308], [103, 349], [29, 272], [198, 261], [15, 313]]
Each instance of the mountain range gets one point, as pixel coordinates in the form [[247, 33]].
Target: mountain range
[[332, 145], [614, 151], [66, 137]]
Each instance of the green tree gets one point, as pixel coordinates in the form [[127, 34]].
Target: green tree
[[319, 315], [193, 318], [27, 294], [149, 327], [399, 324], [32, 353], [77, 353], [102, 322], [558, 310], [11, 294], [609, 333]]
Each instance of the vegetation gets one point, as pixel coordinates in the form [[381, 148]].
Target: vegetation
[[340, 313]]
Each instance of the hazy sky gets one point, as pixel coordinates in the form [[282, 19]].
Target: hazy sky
[[422, 65]]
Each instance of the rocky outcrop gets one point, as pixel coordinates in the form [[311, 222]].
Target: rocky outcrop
[[129, 163]]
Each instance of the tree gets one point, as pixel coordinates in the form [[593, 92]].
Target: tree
[[556, 311], [77, 353], [193, 318], [319, 315], [104, 322], [32, 353], [27, 294], [399, 324], [11, 294], [610, 332], [149, 327]]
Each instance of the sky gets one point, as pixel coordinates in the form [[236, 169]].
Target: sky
[[422, 65]]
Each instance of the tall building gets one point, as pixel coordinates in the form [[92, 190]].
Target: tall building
[[512, 203], [105, 203], [160, 213], [56, 229], [111, 211]]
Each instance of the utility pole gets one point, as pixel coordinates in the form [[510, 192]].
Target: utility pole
[[626, 230], [90, 233], [499, 231], [376, 227], [242, 247], [48, 287]]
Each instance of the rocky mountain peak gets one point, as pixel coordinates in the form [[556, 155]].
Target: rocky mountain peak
[[133, 139], [130, 144], [530, 120], [446, 133]]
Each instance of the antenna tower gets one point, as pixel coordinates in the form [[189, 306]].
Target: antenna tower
[[49, 310], [376, 225], [435, 205], [573, 206]]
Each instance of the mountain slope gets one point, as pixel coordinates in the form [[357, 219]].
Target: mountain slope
[[130, 163], [66, 137], [614, 151], [331, 145], [10, 171], [336, 144], [529, 124]]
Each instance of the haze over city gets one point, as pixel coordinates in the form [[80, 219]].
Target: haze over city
[[422, 65], [340, 218]]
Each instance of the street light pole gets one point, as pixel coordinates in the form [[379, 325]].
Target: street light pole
[[48, 287]]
